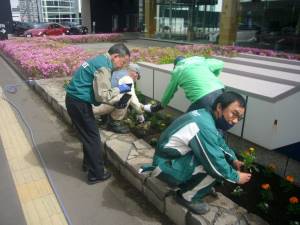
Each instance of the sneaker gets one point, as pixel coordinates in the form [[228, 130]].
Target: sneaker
[[117, 127], [199, 208], [213, 192], [93, 180]]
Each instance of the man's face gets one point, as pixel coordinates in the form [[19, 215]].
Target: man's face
[[233, 113], [119, 61]]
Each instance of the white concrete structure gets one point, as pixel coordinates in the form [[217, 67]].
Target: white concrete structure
[[270, 85]]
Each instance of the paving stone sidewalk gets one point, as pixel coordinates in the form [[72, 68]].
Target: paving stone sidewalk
[[127, 153]]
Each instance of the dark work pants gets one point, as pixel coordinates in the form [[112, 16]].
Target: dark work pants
[[206, 101], [82, 117]]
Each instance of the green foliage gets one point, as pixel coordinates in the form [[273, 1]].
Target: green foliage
[[266, 195], [294, 222], [286, 185], [293, 209], [248, 159], [238, 191], [153, 142], [264, 207]]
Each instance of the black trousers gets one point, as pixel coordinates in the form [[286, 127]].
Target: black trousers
[[83, 118]]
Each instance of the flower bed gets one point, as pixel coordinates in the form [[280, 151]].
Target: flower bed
[[88, 38], [48, 57], [274, 199], [160, 55], [43, 58], [167, 55]]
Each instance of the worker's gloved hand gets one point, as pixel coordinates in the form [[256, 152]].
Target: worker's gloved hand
[[147, 108], [124, 88], [153, 107], [156, 107], [140, 118], [122, 103]]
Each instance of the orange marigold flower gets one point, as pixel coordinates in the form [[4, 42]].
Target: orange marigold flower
[[265, 186], [290, 178], [293, 200]]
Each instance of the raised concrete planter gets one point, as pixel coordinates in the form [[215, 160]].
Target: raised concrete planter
[[271, 120]]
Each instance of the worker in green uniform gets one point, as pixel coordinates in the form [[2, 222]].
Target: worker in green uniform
[[90, 85], [198, 77], [192, 154]]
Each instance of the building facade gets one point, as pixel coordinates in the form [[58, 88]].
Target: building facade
[[5, 14], [48, 10], [59, 10], [29, 10], [271, 24]]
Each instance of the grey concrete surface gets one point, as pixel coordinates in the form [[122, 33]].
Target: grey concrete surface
[[114, 202], [10, 208]]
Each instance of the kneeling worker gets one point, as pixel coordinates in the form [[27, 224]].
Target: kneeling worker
[[117, 114], [192, 154]]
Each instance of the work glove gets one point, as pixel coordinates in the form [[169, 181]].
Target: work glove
[[147, 108], [140, 118], [124, 88], [156, 107], [153, 108], [122, 103]]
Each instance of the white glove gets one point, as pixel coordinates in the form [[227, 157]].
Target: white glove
[[147, 108], [140, 118]]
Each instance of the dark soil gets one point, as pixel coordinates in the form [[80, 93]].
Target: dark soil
[[277, 213]]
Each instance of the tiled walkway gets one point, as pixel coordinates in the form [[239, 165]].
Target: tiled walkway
[[39, 204]]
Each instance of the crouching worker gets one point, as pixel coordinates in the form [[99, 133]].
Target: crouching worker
[[90, 85], [192, 155], [117, 112]]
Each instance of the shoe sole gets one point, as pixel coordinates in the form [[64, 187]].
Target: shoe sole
[[98, 181]]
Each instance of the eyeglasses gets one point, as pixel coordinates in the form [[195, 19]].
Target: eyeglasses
[[237, 115]]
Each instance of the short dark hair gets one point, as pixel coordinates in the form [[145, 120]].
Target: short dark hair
[[120, 49], [227, 98], [178, 59]]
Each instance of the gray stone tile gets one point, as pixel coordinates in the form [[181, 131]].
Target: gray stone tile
[[206, 219], [175, 212], [151, 196], [120, 148], [132, 178], [226, 219], [254, 220], [160, 188], [221, 201]]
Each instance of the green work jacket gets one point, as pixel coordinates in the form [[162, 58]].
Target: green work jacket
[[191, 141], [197, 77]]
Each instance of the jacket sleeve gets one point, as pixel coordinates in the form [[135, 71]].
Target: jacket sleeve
[[102, 87], [215, 66], [134, 101], [170, 90], [207, 149], [229, 153]]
